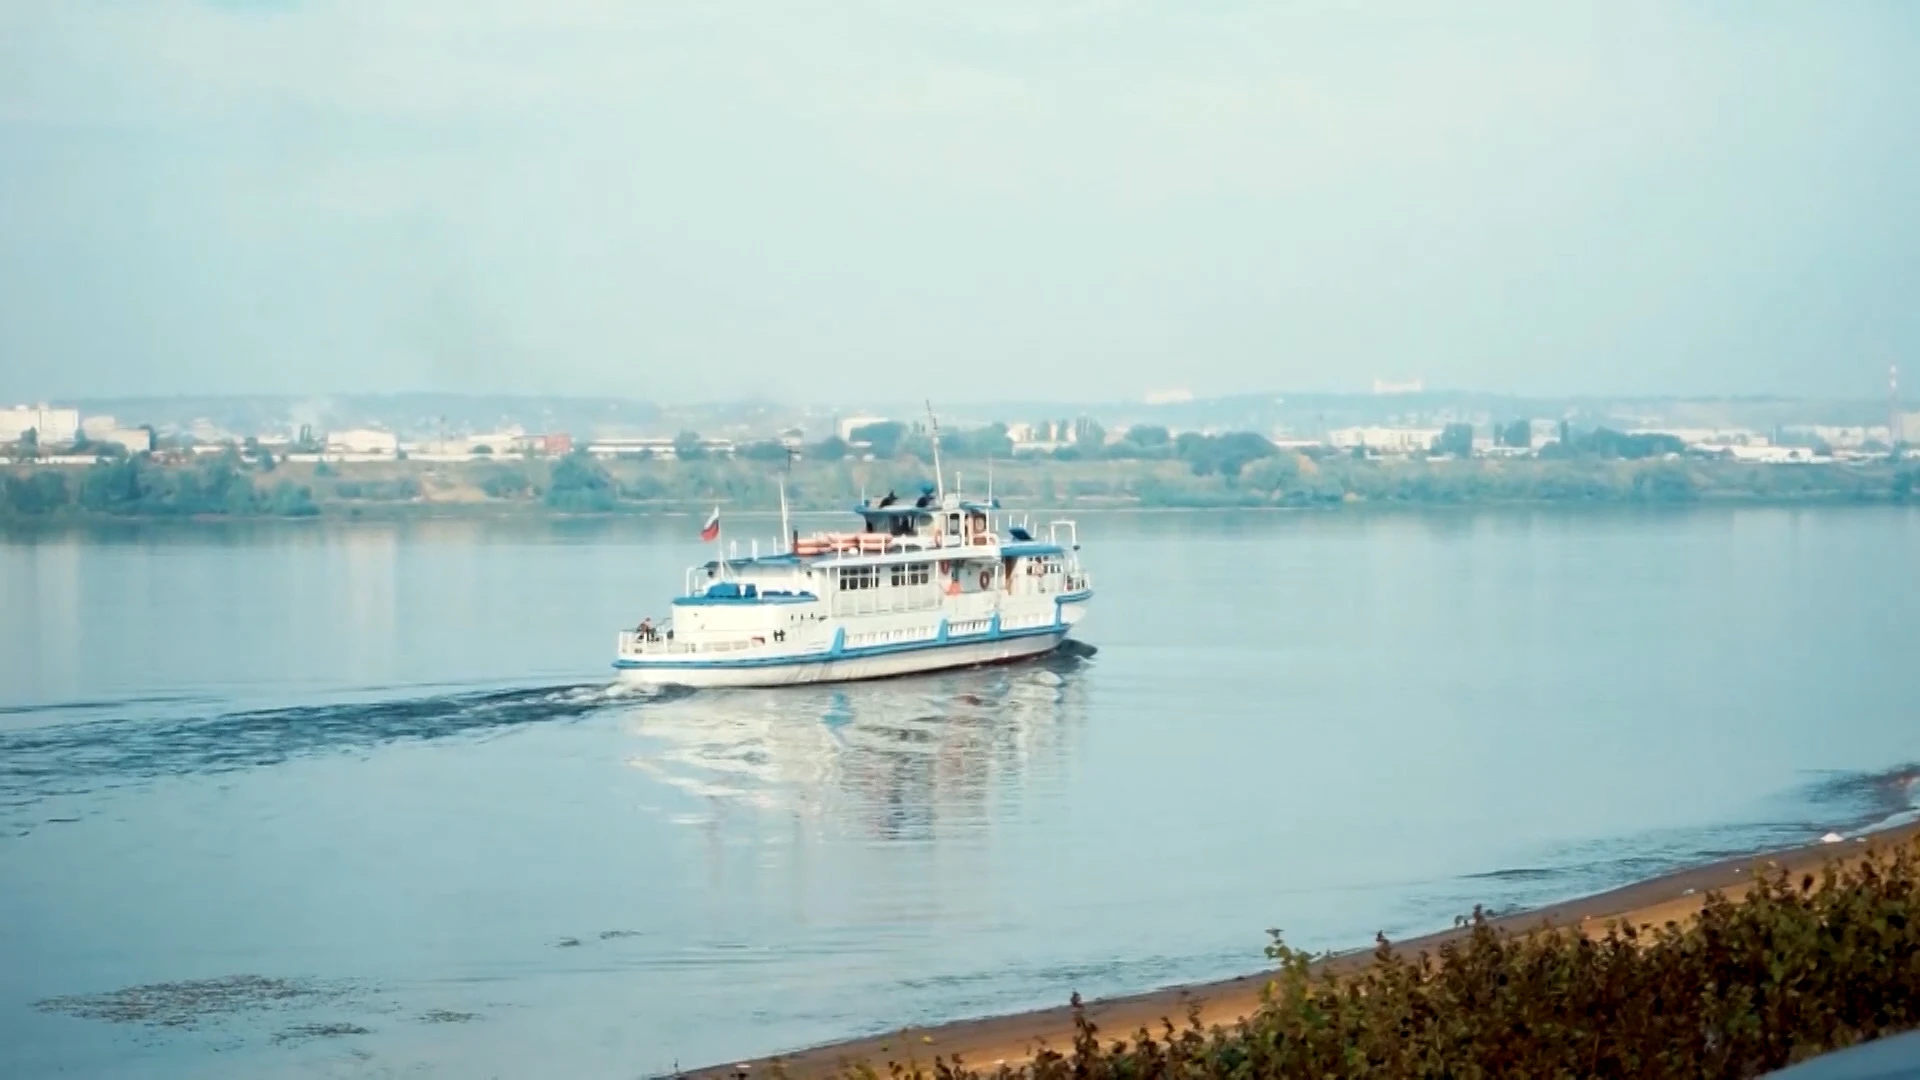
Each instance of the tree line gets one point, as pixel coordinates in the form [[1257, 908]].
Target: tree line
[[1226, 454], [1193, 470], [136, 486]]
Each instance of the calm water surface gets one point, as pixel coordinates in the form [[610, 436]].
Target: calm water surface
[[378, 771]]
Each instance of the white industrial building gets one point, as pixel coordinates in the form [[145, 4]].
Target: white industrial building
[[1771, 455], [132, 440], [1385, 440], [613, 446], [1044, 437], [1842, 436], [49, 425], [363, 441], [851, 424], [465, 447], [1388, 386], [1708, 438]]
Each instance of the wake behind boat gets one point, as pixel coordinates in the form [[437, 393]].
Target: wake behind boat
[[938, 583]]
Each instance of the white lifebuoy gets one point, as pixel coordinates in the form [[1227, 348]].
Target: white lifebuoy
[[986, 579]]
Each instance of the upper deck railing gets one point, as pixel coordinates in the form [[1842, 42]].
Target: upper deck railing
[[661, 643], [979, 535]]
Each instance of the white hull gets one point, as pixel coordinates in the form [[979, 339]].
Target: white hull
[[846, 669]]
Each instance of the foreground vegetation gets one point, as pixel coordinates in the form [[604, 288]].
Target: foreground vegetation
[[1792, 969], [233, 484]]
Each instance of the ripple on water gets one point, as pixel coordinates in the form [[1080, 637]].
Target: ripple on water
[[191, 1002], [81, 756]]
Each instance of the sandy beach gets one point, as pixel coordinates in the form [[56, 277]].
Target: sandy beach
[[1017, 1037]]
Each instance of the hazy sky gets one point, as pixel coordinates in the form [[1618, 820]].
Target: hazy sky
[[984, 199]]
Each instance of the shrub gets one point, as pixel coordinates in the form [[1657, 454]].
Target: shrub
[[506, 484], [43, 492], [1789, 971], [580, 485], [293, 500]]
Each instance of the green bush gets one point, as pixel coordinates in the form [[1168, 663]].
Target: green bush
[[34, 494], [1791, 970], [506, 484], [580, 484], [293, 500]]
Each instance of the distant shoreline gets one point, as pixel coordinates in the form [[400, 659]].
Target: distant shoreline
[[374, 513], [578, 486], [1014, 1038]]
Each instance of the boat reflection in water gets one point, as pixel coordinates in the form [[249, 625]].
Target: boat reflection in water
[[899, 759]]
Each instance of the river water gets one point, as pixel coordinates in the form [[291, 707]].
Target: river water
[[329, 799]]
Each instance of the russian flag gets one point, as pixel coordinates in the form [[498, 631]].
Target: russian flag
[[711, 530]]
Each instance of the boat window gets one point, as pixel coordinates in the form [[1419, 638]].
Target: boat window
[[912, 574], [854, 578]]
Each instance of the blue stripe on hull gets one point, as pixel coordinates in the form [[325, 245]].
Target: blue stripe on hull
[[839, 652]]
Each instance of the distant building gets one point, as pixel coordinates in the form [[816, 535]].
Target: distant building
[[49, 425], [1411, 386], [1287, 441], [363, 441], [558, 444], [632, 447], [1707, 438], [1386, 440], [1176, 396], [850, 424], [132, 440], [493, 442], [1043, 437], [1841, 437], [658, 447], [1772, 455]]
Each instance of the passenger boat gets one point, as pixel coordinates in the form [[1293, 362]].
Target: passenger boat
[[941, 582]]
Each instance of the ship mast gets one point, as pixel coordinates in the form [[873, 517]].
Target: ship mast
[[786, 529], [939, 482]]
